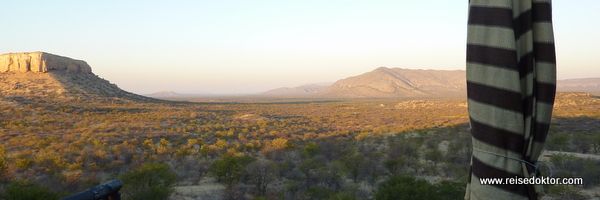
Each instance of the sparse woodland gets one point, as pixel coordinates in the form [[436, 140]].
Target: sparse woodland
[[279, 149]]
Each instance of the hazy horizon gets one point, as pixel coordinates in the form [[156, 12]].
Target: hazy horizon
[[175, 90], [240, 47]]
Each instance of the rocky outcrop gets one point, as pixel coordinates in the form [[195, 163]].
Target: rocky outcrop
[[41, 62], [44, 75]]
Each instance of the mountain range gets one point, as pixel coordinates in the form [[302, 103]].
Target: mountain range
[[386, 82], [589, 85], [172, 94], [397, 82], [308, 89]]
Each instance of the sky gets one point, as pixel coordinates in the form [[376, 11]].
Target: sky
[[246, 47]]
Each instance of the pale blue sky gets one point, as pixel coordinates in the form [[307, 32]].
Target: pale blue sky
[[222, 46]]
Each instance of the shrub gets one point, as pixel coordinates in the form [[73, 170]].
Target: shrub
[[561, 192], [150, 181], [23, 190], [405, 187], [408, 187]]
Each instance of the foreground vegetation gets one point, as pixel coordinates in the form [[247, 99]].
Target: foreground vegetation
[[284, 149]]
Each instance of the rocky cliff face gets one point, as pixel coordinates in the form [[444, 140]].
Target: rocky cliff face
[[44, 75], [41, 62]]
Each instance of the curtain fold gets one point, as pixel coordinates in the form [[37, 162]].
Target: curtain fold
[[511, 84]]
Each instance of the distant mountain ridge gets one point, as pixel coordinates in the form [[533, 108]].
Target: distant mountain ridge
[[165, 93], [311, 89], [386, 82], [397, 82], [589, 85], [171, 94]]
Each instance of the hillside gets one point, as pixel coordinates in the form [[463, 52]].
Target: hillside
[[396, 82], [47, 75]]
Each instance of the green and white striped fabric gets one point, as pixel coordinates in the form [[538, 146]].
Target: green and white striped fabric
[[511, 83]]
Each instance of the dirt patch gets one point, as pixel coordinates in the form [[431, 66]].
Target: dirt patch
[[207, 189], [578, 155]]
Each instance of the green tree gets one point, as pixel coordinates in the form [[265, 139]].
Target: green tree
[[405, 188], [150, 181], [227, 170], [332, 175], [557, 141], [595, 141], [22, 190], [261, 173], [560, 160], [448, 190], [591, 173], [310, 150], [204, 151], [316, 192], [343, 196], [3, 164], [582, 141], [434, 155], [310, 166], [394, 166], [353, 165], [459, 151]]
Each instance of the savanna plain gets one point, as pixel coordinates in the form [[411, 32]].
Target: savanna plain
[[54, 146]]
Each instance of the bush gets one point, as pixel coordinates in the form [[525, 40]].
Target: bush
[[409, 187], [404, 188], [561, 192], [23, 190], [228, 170], [451, 190], [316, 192], [3, 164], [150, 181]]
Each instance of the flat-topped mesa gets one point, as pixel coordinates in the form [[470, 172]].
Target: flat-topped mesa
[[41, 62]]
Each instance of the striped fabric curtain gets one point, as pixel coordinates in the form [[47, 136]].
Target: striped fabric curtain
[[511, 83]]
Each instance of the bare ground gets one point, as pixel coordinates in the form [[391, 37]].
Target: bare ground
[[207, 189]]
